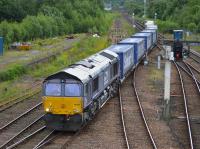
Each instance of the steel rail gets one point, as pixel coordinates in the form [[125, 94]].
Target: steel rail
[[46, 142], [194, 59], [122, 120], [186, 107], [193, 76], [192, 67], [26, 138], [16, 135], [17, 100], [187, 72], [20, 116], [142, 111], [44, 139], [195, 54]]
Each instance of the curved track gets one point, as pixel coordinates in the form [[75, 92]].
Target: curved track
[[191, 93], [135, 127]]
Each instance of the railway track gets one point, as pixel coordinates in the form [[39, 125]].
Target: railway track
[[191, 92], [7, 141], [137, 132], [16, 125], [20, 116], [195, 56], [28, 93], [40, 137]]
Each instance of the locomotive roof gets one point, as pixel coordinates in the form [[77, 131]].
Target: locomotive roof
[[132, 40], [87, 68]]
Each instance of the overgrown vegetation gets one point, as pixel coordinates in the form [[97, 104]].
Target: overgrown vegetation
[[81, 50], [179, 13], [172, 14], [12, 73], [134, 6], [84, 48], [23, 20]]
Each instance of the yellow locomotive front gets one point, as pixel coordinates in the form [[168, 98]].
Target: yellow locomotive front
[[63, 103]]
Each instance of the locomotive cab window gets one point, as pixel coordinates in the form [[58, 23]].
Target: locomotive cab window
[[86, 89], [95, 84], [53, 89], [115, 67], [72, 90]]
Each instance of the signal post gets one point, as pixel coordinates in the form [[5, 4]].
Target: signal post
[[167, 81]]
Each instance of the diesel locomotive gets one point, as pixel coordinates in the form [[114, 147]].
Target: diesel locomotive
[[72, 96]]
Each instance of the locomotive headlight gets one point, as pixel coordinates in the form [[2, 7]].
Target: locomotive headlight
[[47, 109], [76, 110]]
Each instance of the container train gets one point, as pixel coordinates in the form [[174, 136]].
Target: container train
[[72, 96]]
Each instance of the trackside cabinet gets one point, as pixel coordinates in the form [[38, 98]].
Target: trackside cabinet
[[1, 46], [178, 34]]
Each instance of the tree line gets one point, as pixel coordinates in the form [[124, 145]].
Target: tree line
[[173, 14], [23, 20]]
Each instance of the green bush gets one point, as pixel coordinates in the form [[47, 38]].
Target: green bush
[[167, 26], [12, 73]]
